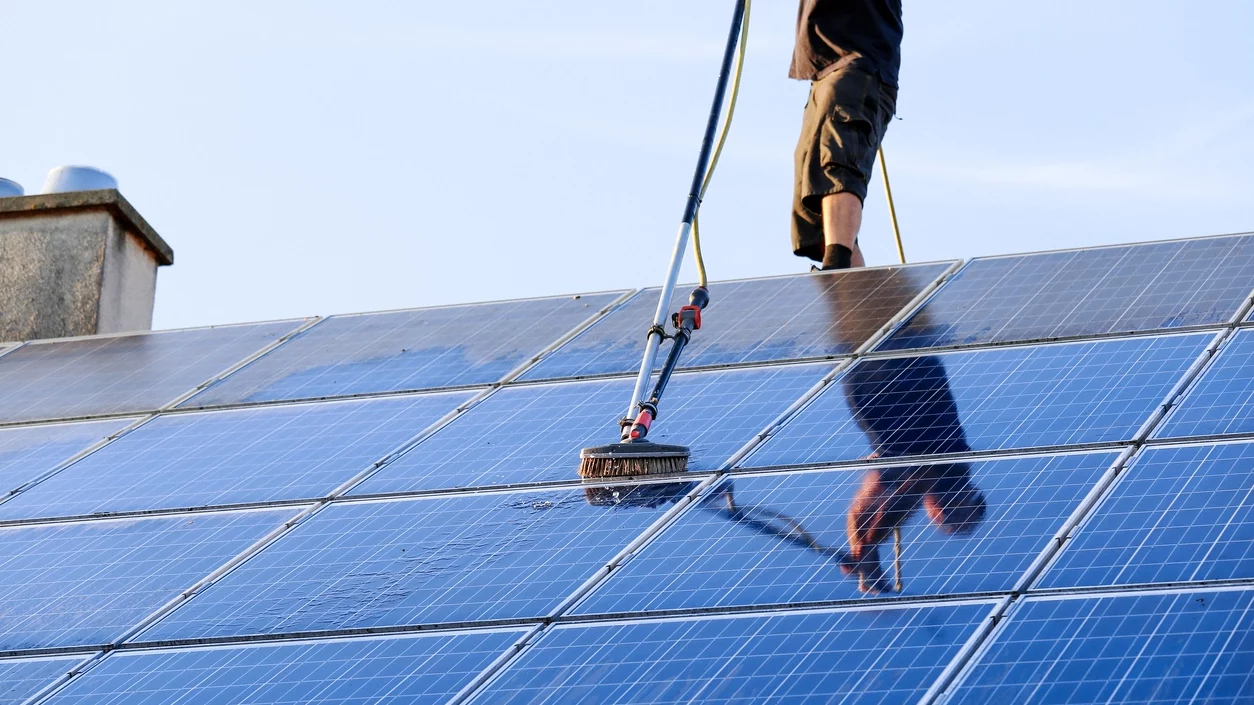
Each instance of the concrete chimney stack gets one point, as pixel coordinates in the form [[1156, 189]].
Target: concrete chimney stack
[[76, 263]]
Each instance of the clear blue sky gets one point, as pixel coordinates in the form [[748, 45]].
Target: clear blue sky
[[315, 158]]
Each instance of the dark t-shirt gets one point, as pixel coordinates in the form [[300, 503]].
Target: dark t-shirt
[[835, 33]]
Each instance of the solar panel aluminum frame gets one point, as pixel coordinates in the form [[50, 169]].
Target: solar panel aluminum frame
[[888, 327], [73, 458], [996, 608], [1194, 379], [1018, 603], [1239, 314], [511, 376]]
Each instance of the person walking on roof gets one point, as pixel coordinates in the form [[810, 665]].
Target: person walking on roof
[[850, 51]]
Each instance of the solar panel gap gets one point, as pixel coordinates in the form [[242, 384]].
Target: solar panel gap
[[75, 458], [635, 546], [1087, 505], [147, 513], [217, 574], [1197, 373], [1045, 342], [278, 342], [968, 651], [570, 335], [501, 663]]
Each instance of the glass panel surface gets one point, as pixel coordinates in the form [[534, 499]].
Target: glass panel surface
[[1222, 400], [853, 656], [26, 452], [815, 536], [263, 454], [411, 669], [534, 433], [22, 678], [124, 373], [86, 583], [994, 399], [406, 350], [810, 315], [427, 561], [1154, 286], [1195, 647], [1176, 514]]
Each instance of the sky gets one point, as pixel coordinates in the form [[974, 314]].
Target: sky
[[315, 158]]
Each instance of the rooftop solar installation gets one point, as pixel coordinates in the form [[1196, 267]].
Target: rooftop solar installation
[[1153, 286], [407, 350], [122, 374], [825, 536], [851, 656], [21, 679], [533, 433], [994, 399], [87, 583], [1177, 514], [1180, 647], [1222, 401], [374, 508], [428, 561], [287, 452], [27, 452], [408, 669], [755, 320]]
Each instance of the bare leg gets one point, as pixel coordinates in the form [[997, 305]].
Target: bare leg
[[842, 218]]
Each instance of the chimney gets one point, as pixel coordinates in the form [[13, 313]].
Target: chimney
[[76, 263]]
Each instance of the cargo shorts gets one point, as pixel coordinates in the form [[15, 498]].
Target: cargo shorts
[[844, 122]]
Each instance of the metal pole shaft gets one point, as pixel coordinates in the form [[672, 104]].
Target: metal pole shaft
[[654, 340], [892, 209]]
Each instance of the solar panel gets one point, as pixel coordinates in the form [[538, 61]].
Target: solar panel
[[994, 399], [21, 679], [533, 433], [122, 374], [86, 583], [426, 561], [407, 350], [1183, 647], [1222, 400], [889, 655], [1147, 287], [293, 451], [755, 320], [404, 669], [819, 536], [26, 452], [1176, 514]]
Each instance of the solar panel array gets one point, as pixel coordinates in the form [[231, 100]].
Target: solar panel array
[[1015, 479]]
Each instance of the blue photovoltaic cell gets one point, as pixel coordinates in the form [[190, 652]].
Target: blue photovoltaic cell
[[811, 315], [996, 399], [26, 452], [534, 433], [407, 350], [22, 678], [296, 451], [1222, 400], [1176, 514], [1148, 287], [86, 583], [122, 374], [852, 656], [776, 539], [408, 669], [427, 561], [1194, 647]]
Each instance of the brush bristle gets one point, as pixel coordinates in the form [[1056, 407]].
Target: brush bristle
[[598, 467]]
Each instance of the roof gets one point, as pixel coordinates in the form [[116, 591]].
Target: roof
[[385, 506]]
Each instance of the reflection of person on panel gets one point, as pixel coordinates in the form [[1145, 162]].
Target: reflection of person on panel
[[905, 407]]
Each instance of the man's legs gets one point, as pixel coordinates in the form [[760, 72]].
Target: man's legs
[[842, 218]]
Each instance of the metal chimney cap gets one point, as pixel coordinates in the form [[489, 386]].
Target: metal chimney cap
[[9, 188], [65, 179]]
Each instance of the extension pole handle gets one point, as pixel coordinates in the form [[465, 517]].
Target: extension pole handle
[[691, 205]]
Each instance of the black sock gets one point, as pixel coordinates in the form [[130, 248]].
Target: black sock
[[837, 257]]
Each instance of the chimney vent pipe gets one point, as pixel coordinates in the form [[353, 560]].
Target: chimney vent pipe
[[65, 179], [10, 188]]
